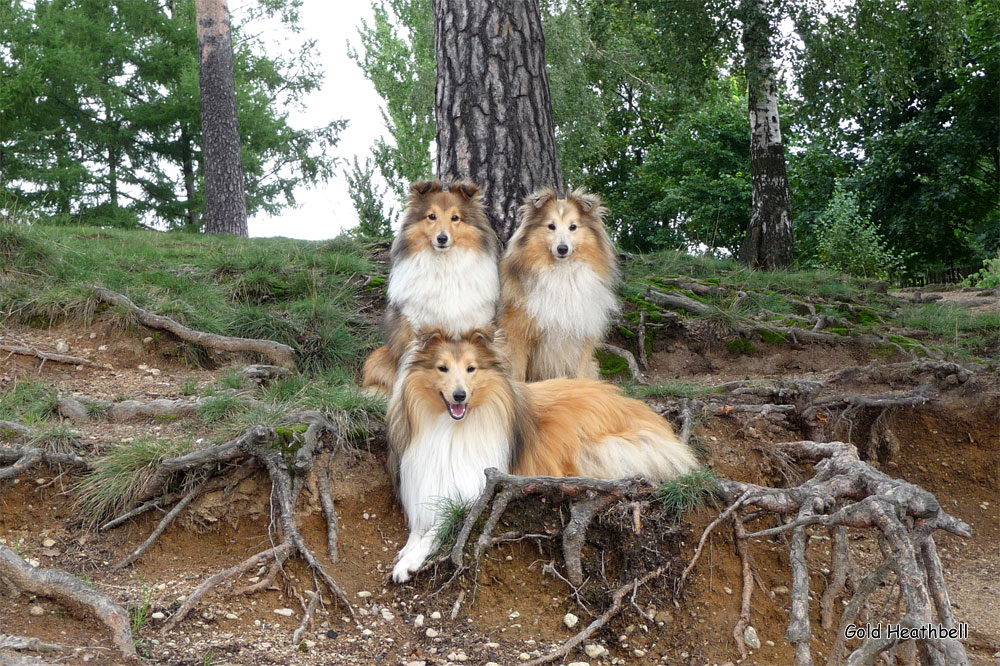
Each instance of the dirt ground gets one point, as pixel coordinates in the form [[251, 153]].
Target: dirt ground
[[516, 610]]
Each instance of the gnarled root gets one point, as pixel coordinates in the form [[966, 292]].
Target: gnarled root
[[847, 493], [590, 497], [71, 591]]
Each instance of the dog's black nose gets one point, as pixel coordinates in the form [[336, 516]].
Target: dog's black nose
[[562, 250], [442, 239], [459, 395]]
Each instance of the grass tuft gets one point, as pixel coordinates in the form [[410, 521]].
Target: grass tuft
[[687, 492], [29, 402], [452, 514], [120, 475]]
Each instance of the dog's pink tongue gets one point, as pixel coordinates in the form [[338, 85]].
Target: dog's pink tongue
[[457, 410]]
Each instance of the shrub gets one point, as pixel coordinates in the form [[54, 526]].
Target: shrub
[[988, 277], [848, 242]]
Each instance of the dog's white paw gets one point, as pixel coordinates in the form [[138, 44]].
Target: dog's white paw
[[407, 564]]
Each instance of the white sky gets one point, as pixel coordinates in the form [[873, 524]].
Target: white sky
[[325, 210]]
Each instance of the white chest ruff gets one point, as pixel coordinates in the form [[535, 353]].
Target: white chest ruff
[[446, 460], [571, 301], [455, 290]]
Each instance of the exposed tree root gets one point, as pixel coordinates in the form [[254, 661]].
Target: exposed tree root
[[25, 350], [676, 301], [71, 591], [641, 341], [11, 642], [593, 627], [627, 356], [259, 447], [27, 457], [590, 495], [281, 355], [846, 492]]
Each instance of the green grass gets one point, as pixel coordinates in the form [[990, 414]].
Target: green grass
[[302, 293], [667, 389], [58, 437], [452, 514], [121, 473], [219, 407], [687, 492], [28, 402], [232, 379]]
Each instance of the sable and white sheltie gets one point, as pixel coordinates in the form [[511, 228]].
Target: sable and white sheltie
[[557, 286], [454, 412], [443, 274]]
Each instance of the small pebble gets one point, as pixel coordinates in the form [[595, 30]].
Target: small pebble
[[387, 615], [232, 616], [435, 615], [751, 638], [158, 615], [48, 543], [594, 650], [364, 594], [418, 621], [431, 633], [62, 346], [285, 612], [36, 610], [524, 656], [332, 633], [570, 620]]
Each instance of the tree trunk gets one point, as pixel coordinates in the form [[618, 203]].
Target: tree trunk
[[769, 242], [225, 198], [187, 162], [492, 104]]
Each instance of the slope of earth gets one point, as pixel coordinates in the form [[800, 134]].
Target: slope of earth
[[716, 362]]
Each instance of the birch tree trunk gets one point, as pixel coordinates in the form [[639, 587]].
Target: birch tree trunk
[[225, 197], [769, 242], [492, 106]]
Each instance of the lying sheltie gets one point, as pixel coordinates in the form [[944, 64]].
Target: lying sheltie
[[443, 274], [557, 286], [454, 412]]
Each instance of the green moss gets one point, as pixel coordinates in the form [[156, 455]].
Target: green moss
[[740, 346], [611, 366], [772, 338]]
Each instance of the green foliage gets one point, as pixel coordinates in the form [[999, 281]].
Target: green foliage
[[101, 111], [369, 202], [397, 56], [849, 243], [686, 493], [668, 389], [986, 278], [740, 346], [218, 407], [610, 365]]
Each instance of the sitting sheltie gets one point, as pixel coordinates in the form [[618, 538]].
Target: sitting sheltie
[[443, 274], [557, 286], [454, 412]]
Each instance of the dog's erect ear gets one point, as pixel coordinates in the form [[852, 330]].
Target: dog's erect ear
[[480, 336], [466, 188], [431, 337], [587, 201], [539, 198], [424, 188]]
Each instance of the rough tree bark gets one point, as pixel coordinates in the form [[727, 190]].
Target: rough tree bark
[[769, 242], [225, 198], [492, 104]]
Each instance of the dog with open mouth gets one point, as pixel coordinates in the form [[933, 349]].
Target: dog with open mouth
[[446, 244], [455, 411]]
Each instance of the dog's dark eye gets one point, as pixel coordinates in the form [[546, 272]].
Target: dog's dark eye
[[443, 368], [572, 227], [552, 227], [454, 218], [471, 368], [432, 216]]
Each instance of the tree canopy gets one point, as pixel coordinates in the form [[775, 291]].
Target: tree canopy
[[101, 115], [895, 101]]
